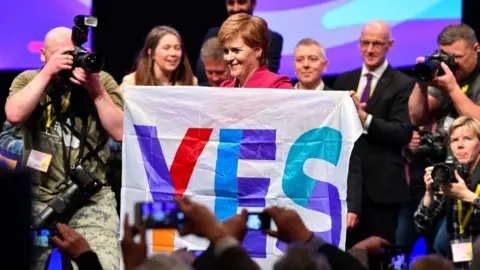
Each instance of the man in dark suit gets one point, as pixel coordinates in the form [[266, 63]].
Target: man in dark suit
[[310, 62], [381, 98], [276, 40]]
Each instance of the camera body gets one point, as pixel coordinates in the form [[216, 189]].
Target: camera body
[[81, 185], [427, 70], [444, 173], [91, 62], [432, 148]]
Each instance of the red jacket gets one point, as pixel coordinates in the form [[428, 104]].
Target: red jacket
[[263, 78]]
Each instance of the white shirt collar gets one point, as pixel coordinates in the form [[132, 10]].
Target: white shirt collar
[[319, 88], [377, 73]]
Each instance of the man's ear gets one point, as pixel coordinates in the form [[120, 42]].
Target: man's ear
[[42, 55], [390, 44], [476, 46], [325, 66]]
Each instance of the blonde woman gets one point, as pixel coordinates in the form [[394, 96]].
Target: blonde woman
[[457, 199]]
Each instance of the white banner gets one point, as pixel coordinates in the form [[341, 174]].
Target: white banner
[[240, 148]]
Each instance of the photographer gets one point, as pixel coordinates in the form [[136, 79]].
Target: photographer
[[457, 196], [456, 92], [65, 122]]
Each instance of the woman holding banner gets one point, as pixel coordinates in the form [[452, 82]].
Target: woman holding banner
[[162, 61], [246, 39]]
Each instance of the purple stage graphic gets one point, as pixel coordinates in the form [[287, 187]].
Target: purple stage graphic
[[334, 23], [25, 23], [337, 25]]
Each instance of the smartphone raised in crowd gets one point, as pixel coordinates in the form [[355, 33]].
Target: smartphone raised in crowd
[[43, 237], [258, 221], [396, 258], [159, 214]]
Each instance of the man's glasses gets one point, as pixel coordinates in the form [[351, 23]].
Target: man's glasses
[[375, 44]]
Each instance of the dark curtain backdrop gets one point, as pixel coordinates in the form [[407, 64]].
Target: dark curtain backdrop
[[123, 26]]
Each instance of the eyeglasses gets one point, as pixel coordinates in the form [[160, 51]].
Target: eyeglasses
[[375, 44]]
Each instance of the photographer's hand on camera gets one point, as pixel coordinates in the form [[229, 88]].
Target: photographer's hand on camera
[[415, 141], [89, 81], [21, 104], [459, 190], [446, 82], [421, 105], [429, 191], [111, 116], [60, 60]]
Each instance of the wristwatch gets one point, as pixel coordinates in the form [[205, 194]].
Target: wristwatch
[[476, 202]]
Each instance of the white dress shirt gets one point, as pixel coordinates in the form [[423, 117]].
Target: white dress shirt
[[376, 74], [319, 88]]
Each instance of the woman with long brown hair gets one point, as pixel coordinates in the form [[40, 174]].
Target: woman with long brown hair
[[162, 61]]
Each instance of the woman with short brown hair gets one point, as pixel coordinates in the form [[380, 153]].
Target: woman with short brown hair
[[246, 40]]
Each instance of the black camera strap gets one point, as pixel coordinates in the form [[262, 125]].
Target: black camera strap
[[56, 102], [82, 136], [83, 140], [475, 178], [92, 152]]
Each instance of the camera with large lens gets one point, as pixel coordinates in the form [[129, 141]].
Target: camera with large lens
[[427, 70], [80, 186], [91, 62], [444, 173], [432, 148]]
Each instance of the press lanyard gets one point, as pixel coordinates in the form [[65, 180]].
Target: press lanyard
[[468, 215], [50, 116]]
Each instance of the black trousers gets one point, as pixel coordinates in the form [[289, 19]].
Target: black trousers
[[377, 219]]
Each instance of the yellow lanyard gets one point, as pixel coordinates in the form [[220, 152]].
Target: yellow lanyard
[[371, 90], [463, 224], [50, 116]]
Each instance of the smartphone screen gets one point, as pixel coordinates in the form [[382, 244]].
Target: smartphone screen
[[197, 253], [395, 258], [398, 262], [43, 237], [160, 214], [258, 221]]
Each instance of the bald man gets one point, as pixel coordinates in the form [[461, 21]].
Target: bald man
[[85, 112], [381, 96]]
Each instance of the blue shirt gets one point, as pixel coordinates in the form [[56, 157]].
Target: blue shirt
[[11, 143]]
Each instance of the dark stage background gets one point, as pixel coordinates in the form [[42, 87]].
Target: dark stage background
[[123, 26]]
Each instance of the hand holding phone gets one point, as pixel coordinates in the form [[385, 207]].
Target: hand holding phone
[[159, 214]]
